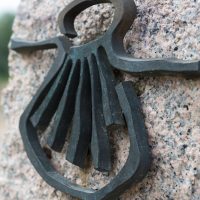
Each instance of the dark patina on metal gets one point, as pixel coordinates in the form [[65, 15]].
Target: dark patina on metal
[[81, 89]]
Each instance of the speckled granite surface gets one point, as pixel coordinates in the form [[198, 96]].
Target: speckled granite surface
[[169, 28]]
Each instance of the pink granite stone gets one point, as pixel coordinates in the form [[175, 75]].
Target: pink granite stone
[[169, 28]]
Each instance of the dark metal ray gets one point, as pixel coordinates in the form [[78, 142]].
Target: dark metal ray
[[43, 115], [100, 146], [82, 121], [111, 108], [61, 43], [170, 66], [65, 111]]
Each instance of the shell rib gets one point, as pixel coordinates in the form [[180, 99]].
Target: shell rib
[[82, 122], [65, 110], [43, 115], [111, 108], [100, 147]]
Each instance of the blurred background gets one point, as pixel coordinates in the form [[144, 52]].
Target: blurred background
[[7, 13]]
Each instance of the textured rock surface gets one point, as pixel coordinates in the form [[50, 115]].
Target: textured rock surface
[[169, 28]]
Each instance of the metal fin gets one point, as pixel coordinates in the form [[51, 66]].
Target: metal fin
[[43, 115], [111, 108], [100, 146], [82, 121], [65, 110]]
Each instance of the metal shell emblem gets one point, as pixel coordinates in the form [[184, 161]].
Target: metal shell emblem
[[81, 89]]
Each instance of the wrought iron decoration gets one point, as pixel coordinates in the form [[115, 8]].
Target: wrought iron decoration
[[80, 88]]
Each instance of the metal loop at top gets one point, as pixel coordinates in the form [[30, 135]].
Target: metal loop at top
[[125, 13]]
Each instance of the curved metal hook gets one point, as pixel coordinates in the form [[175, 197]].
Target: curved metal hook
[[125, 13]]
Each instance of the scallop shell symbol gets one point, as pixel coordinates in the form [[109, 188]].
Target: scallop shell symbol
[[81, 89]]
